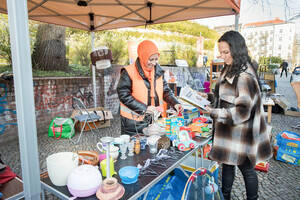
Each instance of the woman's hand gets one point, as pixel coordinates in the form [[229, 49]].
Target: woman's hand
[[208, 109], [178, 108], [151, 109], [202, 94]]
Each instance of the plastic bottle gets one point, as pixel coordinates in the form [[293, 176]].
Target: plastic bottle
[[137, 146]]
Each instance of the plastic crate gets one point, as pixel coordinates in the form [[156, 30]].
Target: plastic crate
[[288, 144]]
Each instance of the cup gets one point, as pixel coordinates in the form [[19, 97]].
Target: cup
[[113, 150], [153, 147], [125, 138], [101, 147]]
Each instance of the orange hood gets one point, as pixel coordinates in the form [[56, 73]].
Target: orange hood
[[146, 49]]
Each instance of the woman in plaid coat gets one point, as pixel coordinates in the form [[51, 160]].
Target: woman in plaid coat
[[240, 130]]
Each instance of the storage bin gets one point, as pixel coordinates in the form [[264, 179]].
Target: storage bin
[[288, 144]]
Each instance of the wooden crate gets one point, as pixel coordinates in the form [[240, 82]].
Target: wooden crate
[[99, 124]]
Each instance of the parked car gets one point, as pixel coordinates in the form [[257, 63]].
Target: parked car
[[295, 77]]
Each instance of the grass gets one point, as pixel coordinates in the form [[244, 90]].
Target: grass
[[74, 70]]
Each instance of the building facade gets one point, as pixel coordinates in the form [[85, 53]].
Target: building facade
[[270, 38]]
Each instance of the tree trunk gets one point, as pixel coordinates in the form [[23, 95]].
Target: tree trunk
[[49, 49]]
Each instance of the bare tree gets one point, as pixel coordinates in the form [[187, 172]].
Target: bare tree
[[50, 49]]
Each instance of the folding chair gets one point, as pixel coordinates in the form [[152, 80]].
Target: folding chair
[[84, 116]]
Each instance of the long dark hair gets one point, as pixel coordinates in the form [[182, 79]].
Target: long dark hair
[[238, 50]]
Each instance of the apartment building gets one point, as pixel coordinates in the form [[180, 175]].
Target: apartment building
[[270, 38]]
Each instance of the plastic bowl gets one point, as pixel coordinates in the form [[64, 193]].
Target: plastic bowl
[[129, 174]]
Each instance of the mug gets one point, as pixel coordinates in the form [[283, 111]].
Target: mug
[[101, 147], [113, 150]]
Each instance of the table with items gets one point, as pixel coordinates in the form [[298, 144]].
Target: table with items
[[147, 177], [150, 157]]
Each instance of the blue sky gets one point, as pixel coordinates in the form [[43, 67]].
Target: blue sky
[[262, 10]]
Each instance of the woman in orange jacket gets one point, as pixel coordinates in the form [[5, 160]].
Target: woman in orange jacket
[[142, 88]]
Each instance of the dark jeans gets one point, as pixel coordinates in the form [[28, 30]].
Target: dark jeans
[[282, 72], [250, 179]]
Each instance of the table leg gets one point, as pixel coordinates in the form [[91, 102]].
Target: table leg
[[145, 196], [43, 194], [269, 113]]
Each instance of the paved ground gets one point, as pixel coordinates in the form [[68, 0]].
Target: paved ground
[[281, 182]]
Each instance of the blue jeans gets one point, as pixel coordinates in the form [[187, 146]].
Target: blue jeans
[[250, 179]]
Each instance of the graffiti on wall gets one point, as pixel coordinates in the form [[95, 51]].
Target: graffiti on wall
[[86, 96], [48, 97], [4, 111], [111, 96]]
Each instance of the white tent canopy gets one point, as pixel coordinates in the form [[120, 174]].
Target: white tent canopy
[[92, 15]]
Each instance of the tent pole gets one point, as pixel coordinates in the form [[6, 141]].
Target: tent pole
[[236, 22], [23, 83], [94, 70]]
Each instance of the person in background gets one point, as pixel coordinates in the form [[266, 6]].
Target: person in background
[[284, 65], [142, 89], [240, 136]]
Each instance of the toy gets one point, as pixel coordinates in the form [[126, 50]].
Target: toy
[[173, 124], [184, 142], [189, 130], [262, 166]]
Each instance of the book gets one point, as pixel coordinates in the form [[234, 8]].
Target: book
[[191, 96]]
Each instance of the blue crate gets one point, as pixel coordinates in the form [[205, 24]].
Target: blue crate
[[288, 147]]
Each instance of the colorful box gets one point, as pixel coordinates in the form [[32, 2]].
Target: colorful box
[[189, 115], [173, 125]]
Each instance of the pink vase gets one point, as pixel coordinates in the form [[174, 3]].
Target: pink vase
[[110, 189]]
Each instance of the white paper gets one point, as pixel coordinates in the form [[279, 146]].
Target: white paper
[[192, 97]]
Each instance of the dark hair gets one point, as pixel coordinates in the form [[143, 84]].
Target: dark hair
[[238, 51]]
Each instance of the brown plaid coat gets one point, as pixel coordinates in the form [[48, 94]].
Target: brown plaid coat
[[240, 129]]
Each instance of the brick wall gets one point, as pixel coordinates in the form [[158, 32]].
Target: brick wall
[[53, 96]]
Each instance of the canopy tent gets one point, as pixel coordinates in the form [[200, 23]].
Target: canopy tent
[[96, 15], [92, 15]]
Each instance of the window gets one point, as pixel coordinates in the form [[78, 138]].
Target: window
[[280, 31], [280, 39], [279, 47]]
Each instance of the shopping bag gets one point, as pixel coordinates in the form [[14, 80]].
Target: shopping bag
[[61, 128]]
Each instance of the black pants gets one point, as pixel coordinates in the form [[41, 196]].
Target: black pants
[[250, 179], [284, 69]]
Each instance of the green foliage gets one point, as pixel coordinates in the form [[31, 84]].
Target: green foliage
[[269, 60], [178, 38], [5, 68], [116, 42], [5, 52], [75, 70], [186, 27]]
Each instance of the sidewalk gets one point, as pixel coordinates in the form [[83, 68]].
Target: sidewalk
[[281, 182]]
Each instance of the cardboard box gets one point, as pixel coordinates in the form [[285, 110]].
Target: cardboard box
[[99, 124]]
